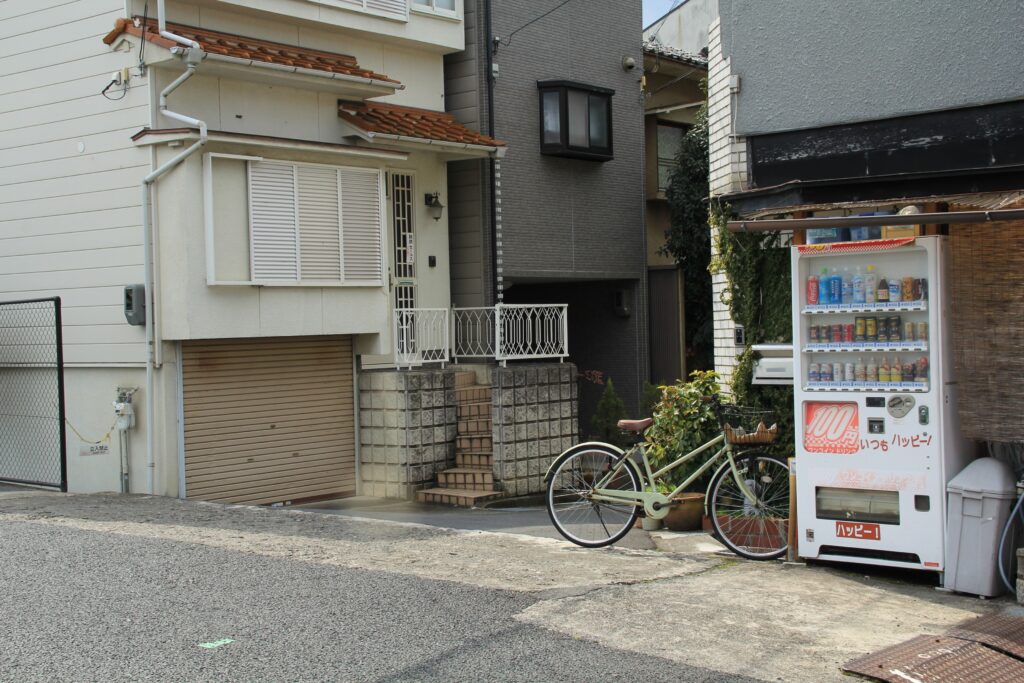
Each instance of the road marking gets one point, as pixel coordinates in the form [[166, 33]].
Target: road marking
[[216, 643]]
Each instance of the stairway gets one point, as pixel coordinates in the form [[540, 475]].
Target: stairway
[[471, 481]]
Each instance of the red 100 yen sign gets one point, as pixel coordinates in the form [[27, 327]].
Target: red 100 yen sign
[[831, 428]]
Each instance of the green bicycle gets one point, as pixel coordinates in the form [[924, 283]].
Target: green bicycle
[[596, 491]]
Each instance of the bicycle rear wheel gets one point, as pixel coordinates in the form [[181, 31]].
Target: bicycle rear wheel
[[756, 529], [579, 518]]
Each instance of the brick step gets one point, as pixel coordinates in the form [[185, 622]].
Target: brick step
[[474, 460], [464, 379], [479, 444], [475, 411], [473, 394], [480, 427], [460, 497], [473, 478]]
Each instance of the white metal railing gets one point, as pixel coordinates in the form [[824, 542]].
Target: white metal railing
[[511, 332], [503, 332], [420, 336]]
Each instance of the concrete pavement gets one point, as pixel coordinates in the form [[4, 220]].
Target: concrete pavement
[[120, 587]]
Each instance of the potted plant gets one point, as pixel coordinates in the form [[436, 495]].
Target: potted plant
[[683, 420]]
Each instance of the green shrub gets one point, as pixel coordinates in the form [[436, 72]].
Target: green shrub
[[610, 409], [683, 420]]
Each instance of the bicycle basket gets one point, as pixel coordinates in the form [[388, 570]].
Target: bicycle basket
[[747, 425]]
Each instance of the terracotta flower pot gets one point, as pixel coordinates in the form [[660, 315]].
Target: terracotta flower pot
[[686, 514]]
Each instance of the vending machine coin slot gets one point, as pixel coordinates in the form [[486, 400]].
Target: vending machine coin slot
[[899, 406], [876, 425]]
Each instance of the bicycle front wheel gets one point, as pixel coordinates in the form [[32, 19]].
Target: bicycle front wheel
[[757, 529], [571, 506]]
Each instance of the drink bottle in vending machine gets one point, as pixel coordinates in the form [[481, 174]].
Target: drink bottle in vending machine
[[877, 436]]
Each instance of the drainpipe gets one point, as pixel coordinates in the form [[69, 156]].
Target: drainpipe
[[192, 55], [499, 294], [161, 21]]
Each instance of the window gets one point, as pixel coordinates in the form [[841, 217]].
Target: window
[[439, 6], [394, 9], [315, 224], [575, 120], [669, 139]]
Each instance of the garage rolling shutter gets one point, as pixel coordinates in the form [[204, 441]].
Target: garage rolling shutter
[[268, 421]]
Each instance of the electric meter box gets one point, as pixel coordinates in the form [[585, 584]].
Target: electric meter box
[[979, 502], [135, 304]]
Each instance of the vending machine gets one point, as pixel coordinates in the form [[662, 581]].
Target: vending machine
[[877, 435]]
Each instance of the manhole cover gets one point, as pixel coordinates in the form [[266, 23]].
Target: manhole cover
[[931, 659], [999, 631]]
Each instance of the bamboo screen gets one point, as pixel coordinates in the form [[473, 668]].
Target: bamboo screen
[[987, 282]]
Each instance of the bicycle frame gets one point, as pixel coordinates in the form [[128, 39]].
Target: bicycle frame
[[656, 505]]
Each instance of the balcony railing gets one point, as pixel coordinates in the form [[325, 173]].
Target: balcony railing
[[420, 336], [504, 332]]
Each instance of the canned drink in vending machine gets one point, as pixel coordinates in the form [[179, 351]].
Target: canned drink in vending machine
[[812, 334], [924, 289], [825, 373], [813, 372], [859, 328], [895, 328], [922, 332], [837, 332], [871, 329], [837, 372], [848, 333], [908, 331], [849, 371]]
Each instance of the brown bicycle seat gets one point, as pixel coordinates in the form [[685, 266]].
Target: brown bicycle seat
[[635, 425]]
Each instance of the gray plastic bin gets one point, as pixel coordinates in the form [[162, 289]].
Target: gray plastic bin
[[979, 503]]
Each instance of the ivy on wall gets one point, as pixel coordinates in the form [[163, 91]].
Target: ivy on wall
[[757, 266]]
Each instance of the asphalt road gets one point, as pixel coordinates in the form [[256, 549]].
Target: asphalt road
[[106, 603]]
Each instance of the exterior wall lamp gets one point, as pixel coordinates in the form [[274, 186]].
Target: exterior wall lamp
[[433, 202]]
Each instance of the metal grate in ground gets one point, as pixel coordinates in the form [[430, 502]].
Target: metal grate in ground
[[998, 631], [931, 659]]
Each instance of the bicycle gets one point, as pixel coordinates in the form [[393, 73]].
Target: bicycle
[[595, 491]]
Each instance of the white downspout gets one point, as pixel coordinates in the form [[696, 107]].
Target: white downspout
[[193, 55], [161, 21]]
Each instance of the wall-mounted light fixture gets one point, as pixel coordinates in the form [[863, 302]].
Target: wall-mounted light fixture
[[433, 202]]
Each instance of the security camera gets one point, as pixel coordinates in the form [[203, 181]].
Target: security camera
[[628, 63]]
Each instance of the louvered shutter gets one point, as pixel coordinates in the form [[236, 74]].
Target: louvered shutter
[[319, 223], [272, 214], [361, 224], [392, 7]]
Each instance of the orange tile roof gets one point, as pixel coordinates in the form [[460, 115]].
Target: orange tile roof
[[377, 118], [242, 47]]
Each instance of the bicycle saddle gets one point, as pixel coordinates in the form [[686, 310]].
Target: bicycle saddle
[[634, 425]]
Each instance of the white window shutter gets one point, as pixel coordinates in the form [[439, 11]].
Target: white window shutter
[[395, 8], [272, 211], [361, 225], [319, 223]]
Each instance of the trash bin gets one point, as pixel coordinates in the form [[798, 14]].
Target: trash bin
[[979, 503]]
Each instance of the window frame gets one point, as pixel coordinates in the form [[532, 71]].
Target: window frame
[[433, 10], [563, 148], [209, 227], [351, 6]]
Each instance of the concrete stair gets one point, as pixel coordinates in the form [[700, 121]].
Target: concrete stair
[[471, 481]]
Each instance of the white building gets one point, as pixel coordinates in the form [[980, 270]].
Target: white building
[[264, 167]]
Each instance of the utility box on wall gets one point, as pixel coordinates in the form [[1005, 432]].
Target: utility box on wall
[[135, 304]]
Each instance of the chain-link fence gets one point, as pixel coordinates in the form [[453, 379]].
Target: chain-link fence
[[32, 437]]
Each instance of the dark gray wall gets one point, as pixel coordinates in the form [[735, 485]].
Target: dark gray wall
[[570, 227], [808, 63]]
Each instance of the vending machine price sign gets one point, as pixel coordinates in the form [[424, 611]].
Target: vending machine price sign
[[831, 427]]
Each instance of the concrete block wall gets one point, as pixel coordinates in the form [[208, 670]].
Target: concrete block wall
[[535, 415], [407, 430]]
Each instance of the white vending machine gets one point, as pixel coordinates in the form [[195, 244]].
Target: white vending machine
[[877, 435]]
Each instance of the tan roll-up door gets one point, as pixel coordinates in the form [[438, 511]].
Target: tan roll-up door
[[268, 420]]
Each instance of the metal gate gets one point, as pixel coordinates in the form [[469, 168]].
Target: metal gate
[[32, 434]]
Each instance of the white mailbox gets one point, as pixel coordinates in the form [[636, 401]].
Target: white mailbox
[[775, 366]]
